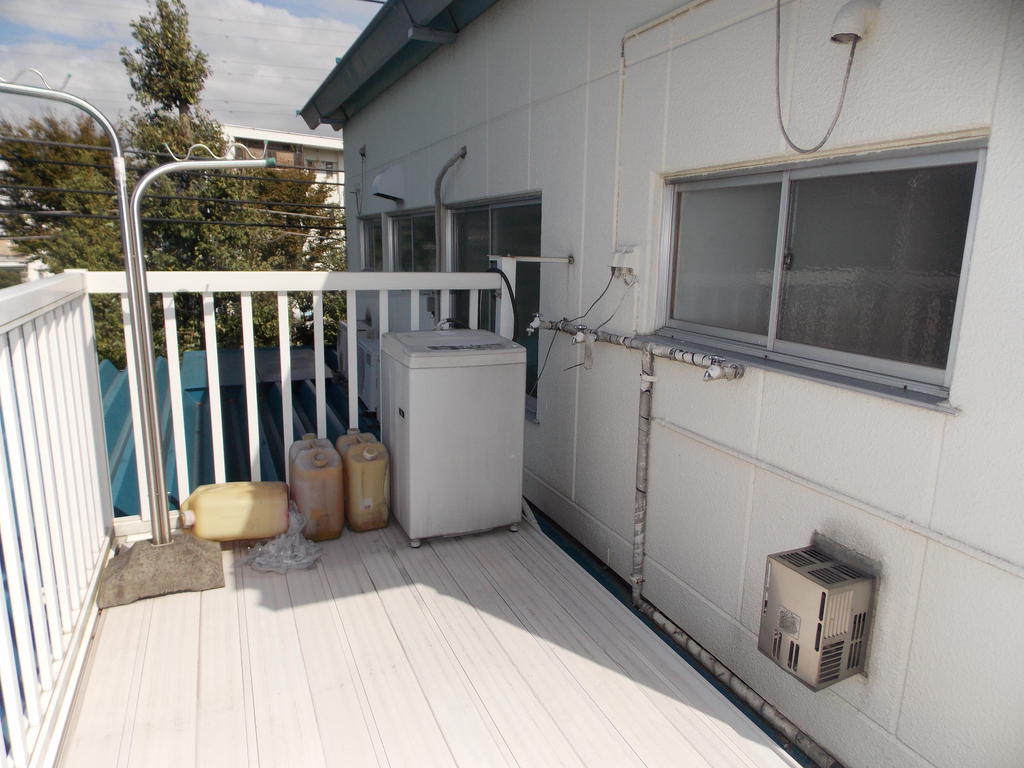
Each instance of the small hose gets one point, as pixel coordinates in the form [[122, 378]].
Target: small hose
[[512, 298]]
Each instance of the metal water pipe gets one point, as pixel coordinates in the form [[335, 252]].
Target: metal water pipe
[[142, 336]]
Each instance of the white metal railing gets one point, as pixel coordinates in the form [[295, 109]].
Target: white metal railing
[[55, 506], [280, 284]]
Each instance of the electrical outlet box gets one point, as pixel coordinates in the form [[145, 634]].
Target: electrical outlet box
[[815, 616], [624, 256]]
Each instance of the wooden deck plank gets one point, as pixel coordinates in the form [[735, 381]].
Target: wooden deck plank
[[593, 737], [286, 726], [238, 553], [495, 649], [620, 699], [165, 717], [103, 711], [473, 738], [533, 737], [343, 717], [699, 711], [407, 726], [221, 730]]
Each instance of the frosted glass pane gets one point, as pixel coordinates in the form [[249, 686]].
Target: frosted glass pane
[[725, 255], [874, 262], [373, 246]]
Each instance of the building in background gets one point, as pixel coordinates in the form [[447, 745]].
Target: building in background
[[323, 155]]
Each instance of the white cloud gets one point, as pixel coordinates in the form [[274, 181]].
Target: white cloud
[[266, 61]]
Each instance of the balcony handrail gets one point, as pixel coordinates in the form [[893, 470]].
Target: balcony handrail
[[234, 282], [22, 303], [381, 286], [55, 506]]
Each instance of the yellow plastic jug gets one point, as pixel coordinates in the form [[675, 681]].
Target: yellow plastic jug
[[237, 511], [317, 489], [308, 442], [353, 438], [367, 481]]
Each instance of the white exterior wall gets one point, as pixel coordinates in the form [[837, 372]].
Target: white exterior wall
[[742, 469]]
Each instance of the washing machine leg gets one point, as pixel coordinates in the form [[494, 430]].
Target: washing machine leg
[[415, 543], [514, 527]]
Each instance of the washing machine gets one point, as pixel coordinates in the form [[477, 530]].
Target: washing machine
[[453, 404]]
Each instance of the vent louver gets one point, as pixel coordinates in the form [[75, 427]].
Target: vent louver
[[818, 606], [831, 662]]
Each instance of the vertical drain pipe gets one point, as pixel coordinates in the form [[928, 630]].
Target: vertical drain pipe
[[439, 206], [643, 446]]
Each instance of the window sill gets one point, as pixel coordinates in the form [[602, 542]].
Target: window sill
[[889, 392]]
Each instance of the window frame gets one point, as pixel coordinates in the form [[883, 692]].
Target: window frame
[[910, 376], [365, 222], [391, 221]]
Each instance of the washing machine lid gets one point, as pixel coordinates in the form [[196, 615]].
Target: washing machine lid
[[451, 349]]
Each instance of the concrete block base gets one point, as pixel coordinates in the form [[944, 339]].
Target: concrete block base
[[187, 564]]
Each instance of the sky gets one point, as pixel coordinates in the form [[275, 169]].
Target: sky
[[266, 57]]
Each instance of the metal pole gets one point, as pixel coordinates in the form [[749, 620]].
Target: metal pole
[[142, 335]]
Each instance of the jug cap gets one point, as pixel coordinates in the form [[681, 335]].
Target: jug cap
[[309, 436], [370, 452], [320, 459]]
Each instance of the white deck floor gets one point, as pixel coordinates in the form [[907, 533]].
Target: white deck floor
[[494, 649]]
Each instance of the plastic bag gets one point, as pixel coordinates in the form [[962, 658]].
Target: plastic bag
[[289, 550]]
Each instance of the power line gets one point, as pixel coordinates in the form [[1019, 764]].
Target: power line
[[227, 201], [155, 219], [206, 174]]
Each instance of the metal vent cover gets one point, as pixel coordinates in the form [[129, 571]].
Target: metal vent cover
[[815, 616]]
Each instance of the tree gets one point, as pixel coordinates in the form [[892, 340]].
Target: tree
[[167, 74]]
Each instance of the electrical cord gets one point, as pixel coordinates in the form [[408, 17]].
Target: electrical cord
[[533, 389], [778, 91], [512, 298], [608, 285], [617, 308]]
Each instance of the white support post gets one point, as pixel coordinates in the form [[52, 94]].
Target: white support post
[[213, 387], [414, 310], [353, 362], [474, 309], [318, 364], [174, 387], [252, 415], [133, 392], [284, 348]]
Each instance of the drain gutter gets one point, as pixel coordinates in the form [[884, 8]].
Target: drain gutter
[[715, 368]]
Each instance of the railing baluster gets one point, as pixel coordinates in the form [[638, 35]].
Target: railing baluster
[[69, 529], [72, 469], [174, 388], [382, 323], [85, 461], [444, 308], [73, 436], [16, 577], [133, 391], [284, 348], [353, 361], [318, 363], [213, 387], [414, 310], [251, 385], [34, 458], [41, 412], [87, 330], [9, 687], [474, 308]]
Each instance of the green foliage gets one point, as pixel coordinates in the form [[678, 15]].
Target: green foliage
[[9, 277], [167, 73]]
